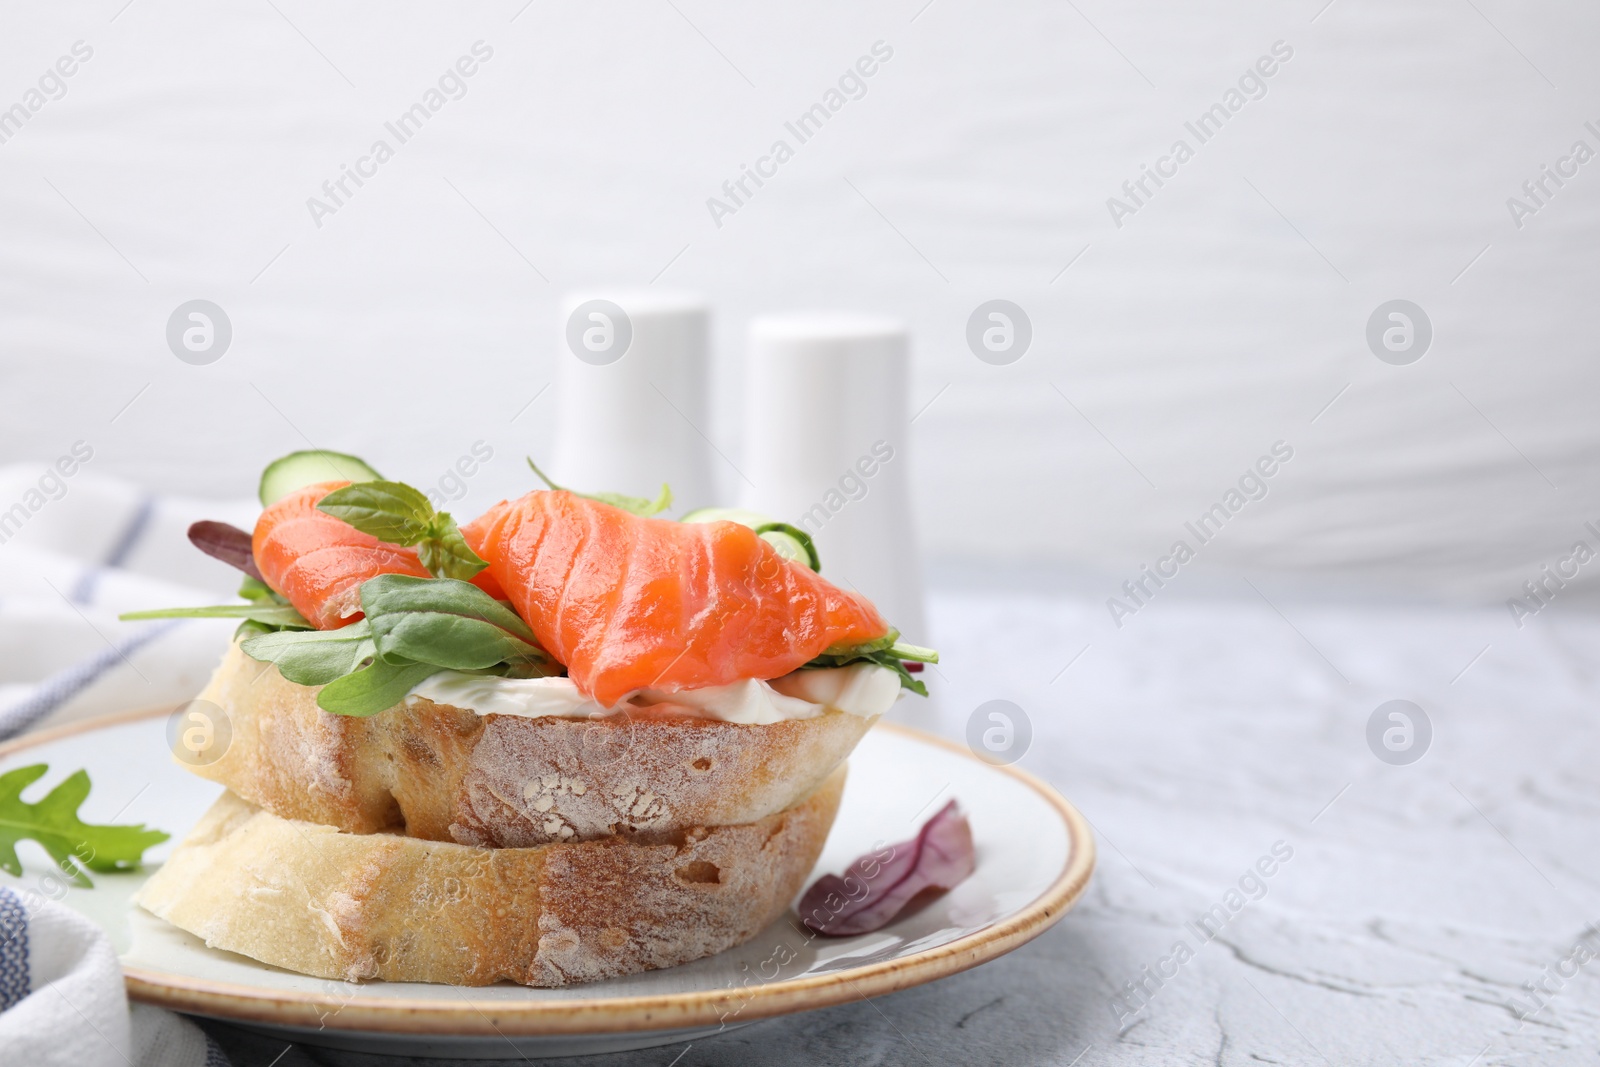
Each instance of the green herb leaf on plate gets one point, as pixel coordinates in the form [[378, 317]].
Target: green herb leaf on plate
[[53, 822]]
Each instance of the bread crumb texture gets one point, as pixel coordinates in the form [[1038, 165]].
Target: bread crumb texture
[[351, 906], [443, 773]]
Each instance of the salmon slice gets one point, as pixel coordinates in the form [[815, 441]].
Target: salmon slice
[[319, 562], [628, 603]]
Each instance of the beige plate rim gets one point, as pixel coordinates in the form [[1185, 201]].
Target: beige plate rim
[[462, 1017]]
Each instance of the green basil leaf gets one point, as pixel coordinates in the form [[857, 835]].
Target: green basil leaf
[[446, 553], [397, 513], [270, 614], [453, 641], [389, 594], [390, 511], [315, 657], [636, 505], [376, 687], [444, 621]]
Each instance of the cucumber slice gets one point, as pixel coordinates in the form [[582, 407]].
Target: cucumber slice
[[791, 542], [300, 469], [741, 516]]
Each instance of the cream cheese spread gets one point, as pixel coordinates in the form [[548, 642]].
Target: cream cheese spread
[[863, 689]]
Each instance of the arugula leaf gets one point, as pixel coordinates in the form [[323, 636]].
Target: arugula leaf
[[267, 613], [850, 652], [251, 628], [894, 663], [636, 505], [397, 513], [315, 657], [53, 822], [886, 651], [257, 590], [374, 688], [914, 653]]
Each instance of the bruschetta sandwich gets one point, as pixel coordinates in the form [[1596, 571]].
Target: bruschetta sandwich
[[569, 740]]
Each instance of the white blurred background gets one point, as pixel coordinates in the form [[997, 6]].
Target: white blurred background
[[1226, 314]]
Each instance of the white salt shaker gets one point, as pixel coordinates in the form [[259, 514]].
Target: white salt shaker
[[632, 400], [827, 443]]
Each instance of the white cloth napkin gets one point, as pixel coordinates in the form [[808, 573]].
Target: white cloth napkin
[[75, 552], [81, 550], [62, 1001]]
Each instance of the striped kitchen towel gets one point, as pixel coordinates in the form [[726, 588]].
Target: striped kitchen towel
[[62, 1002], [77, 549]]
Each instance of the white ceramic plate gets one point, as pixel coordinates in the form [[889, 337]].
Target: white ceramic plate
[[1035, 854]]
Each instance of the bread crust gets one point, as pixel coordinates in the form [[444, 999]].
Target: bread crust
[[344, 906], [503, 781]]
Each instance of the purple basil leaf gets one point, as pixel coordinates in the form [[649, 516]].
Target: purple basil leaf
[[877, 887], [228, 543]]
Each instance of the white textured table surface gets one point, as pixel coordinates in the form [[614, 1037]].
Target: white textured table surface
[[1418, 899]]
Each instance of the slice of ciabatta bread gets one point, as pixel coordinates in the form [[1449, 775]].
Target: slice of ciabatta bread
[[448, 774], [353, 906]]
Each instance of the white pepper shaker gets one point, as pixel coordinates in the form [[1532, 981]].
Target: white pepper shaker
[[632, 401], [827, 447]]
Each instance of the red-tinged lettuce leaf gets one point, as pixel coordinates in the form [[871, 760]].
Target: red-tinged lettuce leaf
[[228, 543], [877, 887]]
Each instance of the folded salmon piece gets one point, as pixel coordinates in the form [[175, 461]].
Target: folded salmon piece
[[628, 603], [318, 562]]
